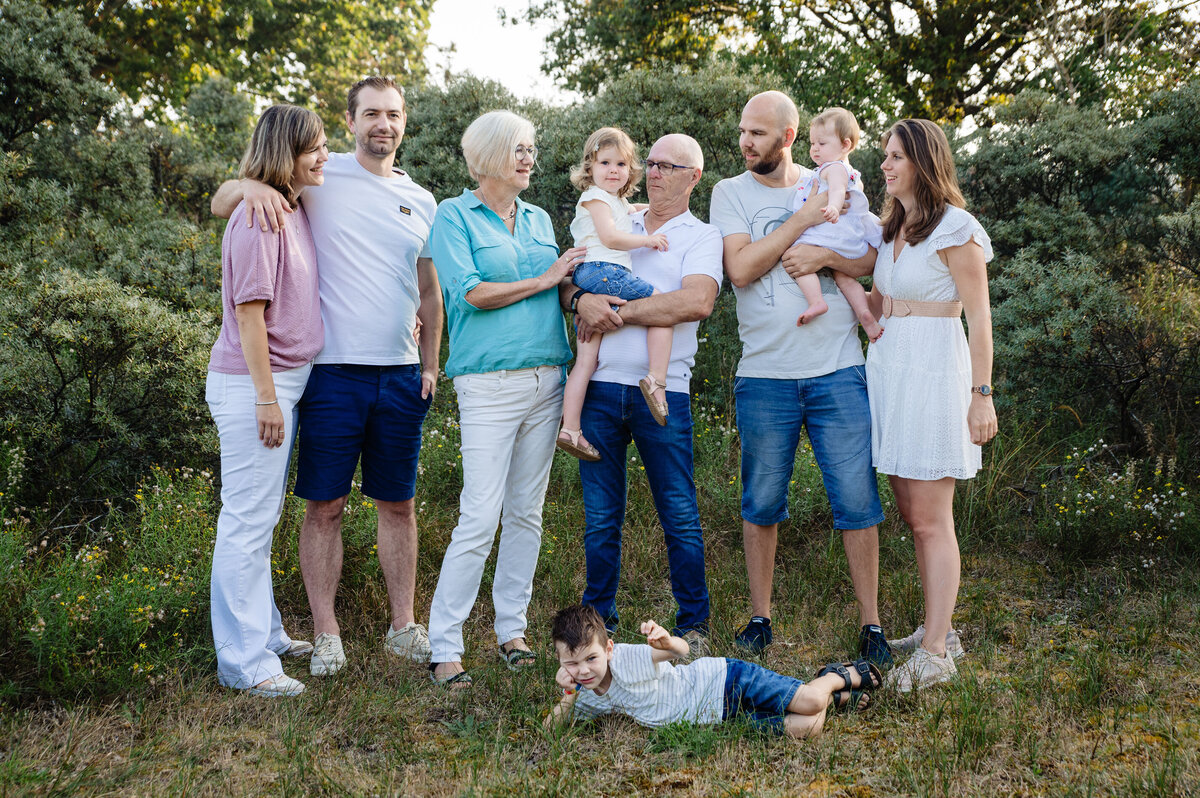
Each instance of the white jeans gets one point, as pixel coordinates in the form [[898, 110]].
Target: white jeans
[[247, 630], [509, 422]]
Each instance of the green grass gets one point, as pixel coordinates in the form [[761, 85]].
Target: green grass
[[1080, 677]]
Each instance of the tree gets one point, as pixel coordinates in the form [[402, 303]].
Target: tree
[[943, 60], [286, 49]]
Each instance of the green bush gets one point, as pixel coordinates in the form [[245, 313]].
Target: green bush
[[97, 384]]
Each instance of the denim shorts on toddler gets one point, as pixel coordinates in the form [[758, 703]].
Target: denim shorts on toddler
[[758, 694], [602, 277]]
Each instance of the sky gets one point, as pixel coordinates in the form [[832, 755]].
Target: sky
[[510, 55]]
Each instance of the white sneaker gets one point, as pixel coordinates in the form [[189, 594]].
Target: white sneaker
[[911, 643], [411, 642], [282, 685], [297, 649], [920, 671], [328, 657]]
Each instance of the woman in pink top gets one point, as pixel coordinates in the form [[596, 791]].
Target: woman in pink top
[[270, 332]]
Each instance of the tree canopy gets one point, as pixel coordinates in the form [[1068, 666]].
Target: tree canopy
[[943, 60]]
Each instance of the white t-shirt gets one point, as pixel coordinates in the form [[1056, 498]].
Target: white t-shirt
[[368, 231], [773, 347], [655, 695], [583, 227], [693, 247]]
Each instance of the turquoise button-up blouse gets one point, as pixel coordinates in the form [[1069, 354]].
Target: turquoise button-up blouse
[[471, 245]]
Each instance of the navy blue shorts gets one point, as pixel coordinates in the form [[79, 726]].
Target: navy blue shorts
[[372, 411], [758, 694]]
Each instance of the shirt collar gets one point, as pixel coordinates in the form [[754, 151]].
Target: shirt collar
[[685, 219], [472, 201]]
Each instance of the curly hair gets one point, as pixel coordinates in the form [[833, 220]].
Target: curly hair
[[581, 173]]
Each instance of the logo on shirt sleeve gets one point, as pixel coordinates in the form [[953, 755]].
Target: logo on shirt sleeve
[[406, 211]]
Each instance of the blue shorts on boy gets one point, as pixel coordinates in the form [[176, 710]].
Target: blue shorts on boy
[[705, 691]]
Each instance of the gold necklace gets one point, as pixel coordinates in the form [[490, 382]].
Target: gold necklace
[[511, 214]]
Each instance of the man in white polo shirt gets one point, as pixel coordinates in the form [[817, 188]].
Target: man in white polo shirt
[[373, 382], [688, 275]]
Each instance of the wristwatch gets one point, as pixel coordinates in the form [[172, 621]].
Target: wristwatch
[[574, 303], [982, 390]]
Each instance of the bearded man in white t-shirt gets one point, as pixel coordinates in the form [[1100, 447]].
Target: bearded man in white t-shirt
[[792, 377], [373, 382]]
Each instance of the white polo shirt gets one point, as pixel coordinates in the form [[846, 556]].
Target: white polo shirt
[[368, 231], [693, 247]]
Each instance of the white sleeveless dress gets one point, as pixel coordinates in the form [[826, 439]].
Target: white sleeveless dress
[[919, 371]]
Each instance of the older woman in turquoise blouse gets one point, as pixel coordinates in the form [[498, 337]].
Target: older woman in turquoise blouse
[[499, 268]]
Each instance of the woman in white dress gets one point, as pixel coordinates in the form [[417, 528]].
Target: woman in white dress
[[930, 389]]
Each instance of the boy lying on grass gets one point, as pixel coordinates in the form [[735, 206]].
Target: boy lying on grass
[[600, 678]]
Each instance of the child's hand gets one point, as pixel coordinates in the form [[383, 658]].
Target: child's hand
[[656, 636], [563, 679], [831, 214], [657, 241]]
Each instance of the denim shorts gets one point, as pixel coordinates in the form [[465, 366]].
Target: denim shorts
[[834, 410], [372, 411], [757, 694], [602, 277]]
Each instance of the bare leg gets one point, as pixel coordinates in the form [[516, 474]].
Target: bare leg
[[928, 507], [806, 711], [857, 298], [658, 348], [759, 544], [862, 556], [810, 286], [397, 546], [321, 560], [586, 357]]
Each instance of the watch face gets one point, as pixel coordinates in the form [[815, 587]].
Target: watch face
[[985, 390]]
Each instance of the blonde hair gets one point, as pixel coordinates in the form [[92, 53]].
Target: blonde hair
[[842, 121], [282, 133], [489, 143], [581, 173], [935, 181]]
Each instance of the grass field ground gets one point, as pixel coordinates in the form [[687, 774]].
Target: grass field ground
[[1080, 677]]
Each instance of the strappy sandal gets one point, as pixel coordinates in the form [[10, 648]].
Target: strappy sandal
[[851, 697], [658, 409], [455, 681], [571, 445], [517, 659]]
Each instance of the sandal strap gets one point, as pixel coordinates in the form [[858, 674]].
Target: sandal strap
[[838, 669]]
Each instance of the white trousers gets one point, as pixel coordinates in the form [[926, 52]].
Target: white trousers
[[509, 421], [247, 629]]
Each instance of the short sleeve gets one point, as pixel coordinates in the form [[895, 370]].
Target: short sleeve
[[450, 245], [616, 205], [957, 228], [633, 663], [704, 256], [253, 260], [725, 213]]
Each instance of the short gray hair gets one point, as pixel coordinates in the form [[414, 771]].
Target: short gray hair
[[489, 143]]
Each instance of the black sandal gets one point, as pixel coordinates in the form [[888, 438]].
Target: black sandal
[[455, 681], [851, 698], [517, 659]]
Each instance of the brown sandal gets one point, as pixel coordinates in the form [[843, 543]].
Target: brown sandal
[[571, 446], [658, 409]]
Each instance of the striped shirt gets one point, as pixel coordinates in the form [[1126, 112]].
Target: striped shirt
[[655, 695]]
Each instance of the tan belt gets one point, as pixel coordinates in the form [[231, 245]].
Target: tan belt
[[911, 307]]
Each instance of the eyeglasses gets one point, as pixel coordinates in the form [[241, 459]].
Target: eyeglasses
[[522, 152], [664, 167]]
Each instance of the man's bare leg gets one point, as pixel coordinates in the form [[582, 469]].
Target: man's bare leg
[[862, 556], [759, 543], [397, 547], [321, 560]]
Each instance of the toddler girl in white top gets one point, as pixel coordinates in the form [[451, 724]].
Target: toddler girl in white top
[[607, 174], [833, 134]]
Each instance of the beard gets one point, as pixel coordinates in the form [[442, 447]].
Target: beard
[[378, 148], [768, 162]]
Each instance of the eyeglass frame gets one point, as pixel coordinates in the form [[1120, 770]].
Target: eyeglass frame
[[531, 151], [670, 167]]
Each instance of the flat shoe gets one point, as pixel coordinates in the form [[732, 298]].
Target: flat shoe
[[571, 445], [297, 649], [455, 681], [279, 687], [517, 659], [658, 410]]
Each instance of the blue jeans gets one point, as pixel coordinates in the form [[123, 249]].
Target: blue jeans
[[834, 409], [613, 415], [758, 694]]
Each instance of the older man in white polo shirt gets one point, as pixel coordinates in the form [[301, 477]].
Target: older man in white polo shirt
[[688, 275]]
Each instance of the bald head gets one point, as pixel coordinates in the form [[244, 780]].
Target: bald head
[[776, 107], [684, 149]]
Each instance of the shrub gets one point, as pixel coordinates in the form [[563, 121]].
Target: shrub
[[97, 383]]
